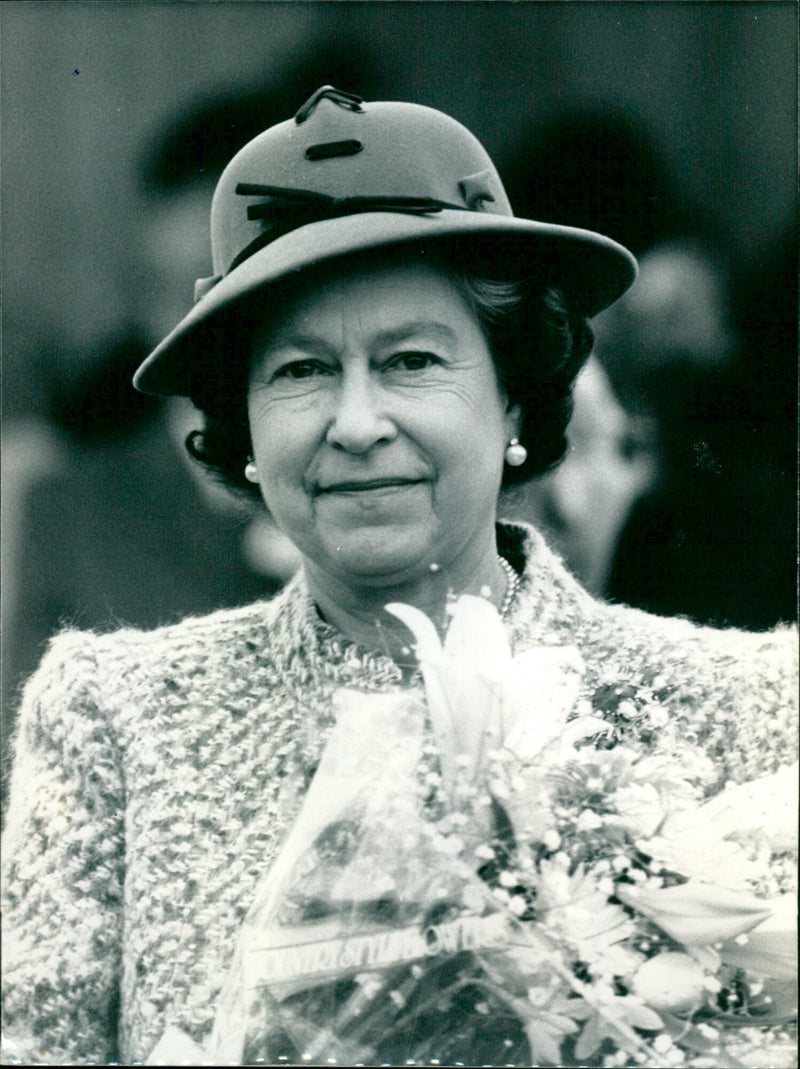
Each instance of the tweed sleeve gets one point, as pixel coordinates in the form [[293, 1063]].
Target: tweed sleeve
[[751, 722], [62, 867]]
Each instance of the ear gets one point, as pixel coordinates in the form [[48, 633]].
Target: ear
[[513, 420]]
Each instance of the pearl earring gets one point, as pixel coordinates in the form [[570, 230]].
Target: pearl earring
[[251, 471], [515, 454]]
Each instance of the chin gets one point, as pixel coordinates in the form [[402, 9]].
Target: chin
[[377, 555]]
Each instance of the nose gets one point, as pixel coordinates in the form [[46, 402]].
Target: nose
[[360, 418]]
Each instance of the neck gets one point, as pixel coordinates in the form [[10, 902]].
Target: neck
[[357, 608]]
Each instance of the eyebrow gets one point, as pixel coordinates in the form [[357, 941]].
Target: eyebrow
[[307, 343], [432, 328], [312, 343]]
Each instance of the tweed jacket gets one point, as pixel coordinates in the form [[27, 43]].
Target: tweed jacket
[[157, 773]]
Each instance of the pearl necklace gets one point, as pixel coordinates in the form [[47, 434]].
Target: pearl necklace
[[512, 585]]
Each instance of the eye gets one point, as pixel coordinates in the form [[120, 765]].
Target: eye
[[414, 360], [301, 369]]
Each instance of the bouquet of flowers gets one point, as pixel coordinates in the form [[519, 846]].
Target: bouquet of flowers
[[519, 891]]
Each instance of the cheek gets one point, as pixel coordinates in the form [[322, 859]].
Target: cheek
[[283, 440], [471, 452], [489, 427]]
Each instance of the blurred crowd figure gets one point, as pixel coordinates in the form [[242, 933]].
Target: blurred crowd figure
[[583, 504], [677, 492], [692, 511], [714, 362]]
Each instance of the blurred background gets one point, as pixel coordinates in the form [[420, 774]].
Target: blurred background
[[669, 126]]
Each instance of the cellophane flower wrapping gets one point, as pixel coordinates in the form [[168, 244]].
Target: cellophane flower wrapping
[[365, 934], [482, 874]]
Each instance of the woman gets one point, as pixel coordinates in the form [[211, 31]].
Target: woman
[[358, 369]]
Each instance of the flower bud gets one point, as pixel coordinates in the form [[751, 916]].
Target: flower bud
[[670, 981]]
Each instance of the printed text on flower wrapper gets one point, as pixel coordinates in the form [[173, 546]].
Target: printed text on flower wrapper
[[270, 964]]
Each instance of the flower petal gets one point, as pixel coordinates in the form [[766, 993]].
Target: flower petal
[[771, 948], [540, 690], [767, 805], [428, 646], [696, 913], [477, 638], [462, 699]]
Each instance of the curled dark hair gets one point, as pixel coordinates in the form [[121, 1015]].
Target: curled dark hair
[[538, 343], [537, 339]]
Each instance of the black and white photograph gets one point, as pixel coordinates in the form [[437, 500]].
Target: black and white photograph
[[399, 533]]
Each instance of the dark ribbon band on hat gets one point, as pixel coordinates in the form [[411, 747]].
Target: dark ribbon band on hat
[[292, 208], [289, 209]]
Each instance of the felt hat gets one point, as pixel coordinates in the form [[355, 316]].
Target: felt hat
[[345, 176]]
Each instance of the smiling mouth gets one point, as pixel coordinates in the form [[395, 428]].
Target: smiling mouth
[[360, 486]]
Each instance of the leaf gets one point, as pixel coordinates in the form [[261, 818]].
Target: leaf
[[614, 1020], [637, 1015], [771, 948], [772, 954], [777, 1001], [689, 1037], [544, 1048], [590, 1038]]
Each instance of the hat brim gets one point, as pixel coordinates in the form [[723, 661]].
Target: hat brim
[[593, 269]]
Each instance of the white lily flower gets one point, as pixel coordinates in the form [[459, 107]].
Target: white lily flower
[[481, 696], [462, 680]]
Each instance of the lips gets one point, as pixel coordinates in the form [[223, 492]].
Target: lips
[[350, 486]]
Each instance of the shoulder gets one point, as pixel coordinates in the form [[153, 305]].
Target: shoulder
[[554, 598], [710, 654], [92, 676], [732, 692], [192, 638]]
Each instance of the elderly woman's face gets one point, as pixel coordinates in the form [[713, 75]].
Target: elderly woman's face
[[378, 425]]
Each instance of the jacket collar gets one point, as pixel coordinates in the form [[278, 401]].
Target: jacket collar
[[547, 609]]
